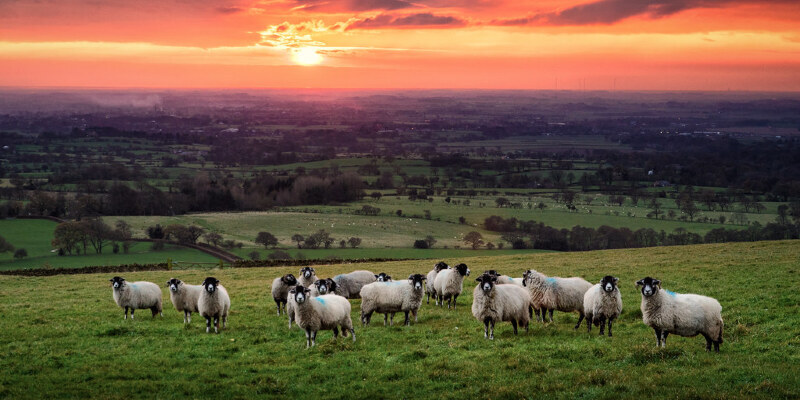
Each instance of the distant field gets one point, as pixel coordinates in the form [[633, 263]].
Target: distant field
[[63, 336], [35, 236]]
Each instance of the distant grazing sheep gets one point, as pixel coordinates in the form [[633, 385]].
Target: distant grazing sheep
[[382, 277], [682, 314], [136, 296]]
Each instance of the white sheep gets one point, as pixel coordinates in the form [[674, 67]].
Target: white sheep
[[602, 304], [136, 296], [492, 303], [505, 279], [184, 297], [554, 293], [280, 290], [349, 285], [308, 276], [328, 312], [431, 278], [214, 303], [449, 283], [383, 277], [682, 314], [391, 297], [319, 288]]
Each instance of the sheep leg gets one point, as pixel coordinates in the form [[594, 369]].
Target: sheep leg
[[414, 312], [313, 338], [514, 324], [551, 315], [385, 318], [609, 326], [716, 345], [664, 335], [335, 332], [455, 297], [278, 303], [225, 321], [602, 325], [391, 320], [589, 322], [408, 322], [126, 312], [353, 332], [208, 324], [216, 324], [530, 312], [486, 328], [708, 342], [491, 336], [154, 310], [580, 319], [308, 338], [132, 310], [428, 300]]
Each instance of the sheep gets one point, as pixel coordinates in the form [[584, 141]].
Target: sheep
[[280, 290], [349, 285], [429, 289], [383, 277], [449, 283], [602, 304], [553, 293], [320, 287], [682, 314], [214, 303], [391, 297], [184, 297], [505, 279], [325, 312], [308, 276], [492, 302], [136, 295]]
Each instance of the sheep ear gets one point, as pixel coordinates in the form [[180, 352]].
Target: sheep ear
[[216, 281], [616, 280], [376, 276], [477, 279], [640, 282], [111, 280], [657, 282], [411, 276], [307, 290]]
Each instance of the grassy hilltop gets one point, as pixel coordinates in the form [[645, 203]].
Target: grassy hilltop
[[63, 336]]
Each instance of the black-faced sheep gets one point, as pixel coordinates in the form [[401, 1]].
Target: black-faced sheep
[[280, 290], [682, 314], [554, 293], [383, 277], [602, 304], [431, 278], [349, 285], [136, 296], [492, 303], [319, 288], [328, 312], [214, 303], [391, 297], [449, 284], [308, 276], [184, 297]]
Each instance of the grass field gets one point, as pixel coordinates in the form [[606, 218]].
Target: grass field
[[63, 336], [35, 236]]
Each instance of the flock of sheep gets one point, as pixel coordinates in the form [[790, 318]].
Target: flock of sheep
[[322, 304]]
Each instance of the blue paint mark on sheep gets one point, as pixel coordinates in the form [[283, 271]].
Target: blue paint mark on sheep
[[669, 292], [321, 301], [551, 281]]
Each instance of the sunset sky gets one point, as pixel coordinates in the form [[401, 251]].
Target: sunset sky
[[547, 44]]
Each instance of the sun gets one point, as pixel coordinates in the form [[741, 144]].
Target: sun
[[306, 56]]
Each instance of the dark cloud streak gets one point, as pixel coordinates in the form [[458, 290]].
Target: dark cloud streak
[[419, 19]]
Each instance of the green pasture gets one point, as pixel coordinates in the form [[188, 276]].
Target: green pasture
[[64, 337]]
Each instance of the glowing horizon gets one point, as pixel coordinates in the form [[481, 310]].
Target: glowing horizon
[[594, 45]]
